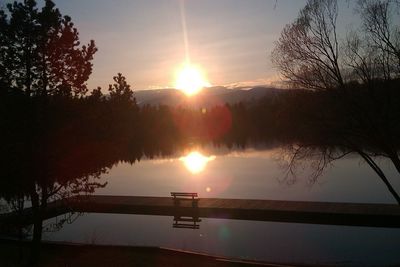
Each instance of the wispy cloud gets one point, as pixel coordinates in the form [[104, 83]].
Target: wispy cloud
[[273, 81]]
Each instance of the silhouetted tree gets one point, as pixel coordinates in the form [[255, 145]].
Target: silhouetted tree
[[358, 109], [41, 53], [307, 53], [40, 57], [381, 24], [373, 52], [120, 90]]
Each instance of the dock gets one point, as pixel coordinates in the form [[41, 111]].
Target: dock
[[353, 214]]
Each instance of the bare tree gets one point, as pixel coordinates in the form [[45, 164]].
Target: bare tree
[[307, 53], [360, 58], [380, 22]]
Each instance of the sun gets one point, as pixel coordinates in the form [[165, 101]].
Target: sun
[[190, 80], [195, 162]]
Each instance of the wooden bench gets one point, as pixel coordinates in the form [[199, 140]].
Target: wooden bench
[[178, 196]]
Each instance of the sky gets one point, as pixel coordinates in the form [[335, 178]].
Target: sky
[[230, 40]]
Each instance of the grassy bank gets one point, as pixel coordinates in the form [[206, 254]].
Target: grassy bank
[[13, 254]]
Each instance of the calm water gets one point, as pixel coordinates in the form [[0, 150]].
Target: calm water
[[246, 174]]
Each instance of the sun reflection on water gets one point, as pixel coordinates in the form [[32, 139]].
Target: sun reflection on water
[[196, 162]]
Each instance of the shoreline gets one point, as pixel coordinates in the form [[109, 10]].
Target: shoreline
[[77, 254]]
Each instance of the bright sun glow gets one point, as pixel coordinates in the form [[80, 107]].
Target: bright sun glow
[[190, 80], [195, 162]]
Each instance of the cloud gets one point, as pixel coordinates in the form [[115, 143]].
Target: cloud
[[273, 81]]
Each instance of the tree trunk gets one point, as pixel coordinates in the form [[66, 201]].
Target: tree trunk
[[380, 173], [37, 228], [395, 160]]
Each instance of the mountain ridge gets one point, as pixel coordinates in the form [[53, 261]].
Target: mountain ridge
[[210, 96]]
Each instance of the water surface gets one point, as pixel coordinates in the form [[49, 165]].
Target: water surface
[[249, 174]]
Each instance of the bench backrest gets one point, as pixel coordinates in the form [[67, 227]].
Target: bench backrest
[[182, 194]]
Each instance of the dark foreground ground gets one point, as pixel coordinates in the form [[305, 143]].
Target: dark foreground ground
[[65, 255]]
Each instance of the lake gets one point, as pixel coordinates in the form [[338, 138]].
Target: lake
[[247, 174]]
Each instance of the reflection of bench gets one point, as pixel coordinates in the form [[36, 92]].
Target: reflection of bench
[[186, 222], [178, 196]]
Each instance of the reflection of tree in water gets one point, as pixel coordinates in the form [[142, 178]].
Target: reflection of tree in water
[[62, 149], [57, 141], [334, 126], [358, 80]]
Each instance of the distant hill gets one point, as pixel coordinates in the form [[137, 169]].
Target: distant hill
[[207, 97]]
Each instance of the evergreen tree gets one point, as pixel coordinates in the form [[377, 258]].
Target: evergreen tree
[[40, 51]]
